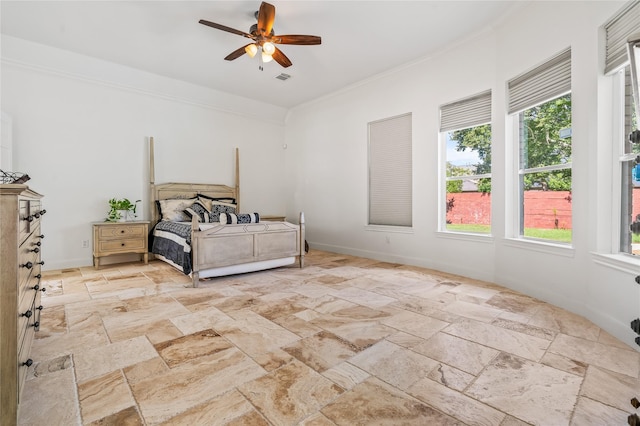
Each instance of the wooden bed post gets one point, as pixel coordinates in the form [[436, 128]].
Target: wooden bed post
[[238, 180], [302, 240], [152, 181]]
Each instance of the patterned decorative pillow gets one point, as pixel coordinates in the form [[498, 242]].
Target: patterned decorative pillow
[[207, 201], [217, 208], [173, 209], [232, 218], [198, 210]]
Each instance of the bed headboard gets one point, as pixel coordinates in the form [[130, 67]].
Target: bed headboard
[[164, 191]]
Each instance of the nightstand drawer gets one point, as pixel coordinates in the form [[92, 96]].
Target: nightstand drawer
[[123, 231], [125, 245]]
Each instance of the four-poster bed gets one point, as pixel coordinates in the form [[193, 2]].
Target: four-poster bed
[[209, 249]]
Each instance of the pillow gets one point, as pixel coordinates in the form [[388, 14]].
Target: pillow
[[207, 200], [173, 209], [198, 210], [232, 218], [217, 208]]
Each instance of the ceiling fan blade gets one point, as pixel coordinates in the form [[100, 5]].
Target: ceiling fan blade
[[236, 53], [296, 39], [266, 16], [225, 28], [281, 58]]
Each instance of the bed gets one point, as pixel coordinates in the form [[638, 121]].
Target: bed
[[206, 249]]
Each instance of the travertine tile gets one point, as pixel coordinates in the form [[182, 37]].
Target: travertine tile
[[102, 360], [527, 390], [520, 344], [103, 396], [398, 366], [610, 388], [374, 331], [375, 402], [50, 399], [291, 393], [593, 413], [612, 358], [456, 352], [321, 351], [455, 404]]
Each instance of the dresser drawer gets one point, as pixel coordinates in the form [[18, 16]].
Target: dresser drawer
[[121, 232], [26, 316]]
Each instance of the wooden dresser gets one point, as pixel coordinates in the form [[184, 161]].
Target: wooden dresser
[[20, 272], [119, 238]]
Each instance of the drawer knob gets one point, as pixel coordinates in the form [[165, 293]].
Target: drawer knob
[[40, 263], [43, 289], [37, 215], [27, 314], [38, 276], [27, 265], [36, 287], [40, 308], [43, 211], [28, 362], [38, 243], [30, 218], [36, 324], [40, 236], [35, 250]]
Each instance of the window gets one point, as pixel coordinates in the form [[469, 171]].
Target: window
[[623, 60], [540, 101], [390, 172], [465, 129]]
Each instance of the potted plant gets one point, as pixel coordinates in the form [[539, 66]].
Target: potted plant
[[121, 209]]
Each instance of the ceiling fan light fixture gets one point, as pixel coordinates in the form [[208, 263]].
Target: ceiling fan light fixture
[[266, 58], [251, 50], [268, 48]]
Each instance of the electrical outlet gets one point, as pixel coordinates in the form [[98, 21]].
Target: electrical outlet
[[85, 243]]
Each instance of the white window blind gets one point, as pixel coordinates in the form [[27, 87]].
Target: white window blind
[[469, 112], [617, 30], [390, 171], [545, 82]]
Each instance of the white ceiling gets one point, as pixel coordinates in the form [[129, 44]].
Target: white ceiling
[[359, 38]]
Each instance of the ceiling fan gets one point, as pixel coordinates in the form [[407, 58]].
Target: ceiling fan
[[264, 39]]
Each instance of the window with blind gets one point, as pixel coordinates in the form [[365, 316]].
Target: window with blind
[[390, 172], [622, 61], [465, 131], [540, 104]]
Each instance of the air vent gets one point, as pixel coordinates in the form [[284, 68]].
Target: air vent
[[283, 77]]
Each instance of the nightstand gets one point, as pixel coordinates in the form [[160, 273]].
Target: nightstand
[[120, 238]]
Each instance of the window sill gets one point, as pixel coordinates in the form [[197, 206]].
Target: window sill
[[466, 236], [622, 262], [388, 228], [541, 246]]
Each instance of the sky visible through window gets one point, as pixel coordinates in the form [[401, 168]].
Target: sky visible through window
[[460, 158]]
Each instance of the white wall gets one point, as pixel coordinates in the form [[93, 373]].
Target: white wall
[[327, 159], [81, 128]]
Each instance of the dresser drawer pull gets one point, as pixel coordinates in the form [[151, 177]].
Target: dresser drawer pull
[[37, 243], [40, 308], [27, 314], [28, 362], [30, 218], [35, 250], [36, 324], [27, 265], [36, 287], [38, 276], [43, 211], [40, 263], [40, 236]]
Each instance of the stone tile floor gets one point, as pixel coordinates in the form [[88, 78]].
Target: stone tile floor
[[346, 341]]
